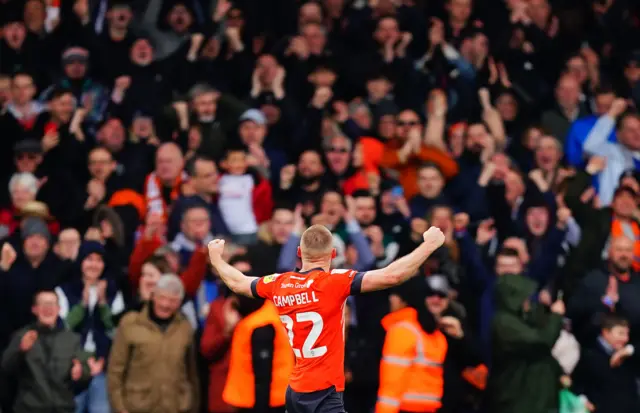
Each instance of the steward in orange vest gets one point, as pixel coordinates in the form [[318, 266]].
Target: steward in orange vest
[[411, 370], [261, 359]]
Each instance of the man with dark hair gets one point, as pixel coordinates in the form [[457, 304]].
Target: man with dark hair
[[605, 374], [573, 149], [264, 255]]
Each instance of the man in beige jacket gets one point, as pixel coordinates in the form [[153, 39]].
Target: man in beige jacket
[[152, 366]]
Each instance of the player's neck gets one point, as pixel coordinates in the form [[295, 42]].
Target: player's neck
[[311, 265]]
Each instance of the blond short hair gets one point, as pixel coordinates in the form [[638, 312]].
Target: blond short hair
[[316, 242]]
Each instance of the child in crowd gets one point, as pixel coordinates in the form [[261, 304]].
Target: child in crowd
[[244, 196]]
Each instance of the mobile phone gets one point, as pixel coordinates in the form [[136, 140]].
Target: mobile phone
[[397, 191]]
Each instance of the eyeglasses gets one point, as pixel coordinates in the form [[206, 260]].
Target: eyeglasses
[[407, 123], [337, 150]]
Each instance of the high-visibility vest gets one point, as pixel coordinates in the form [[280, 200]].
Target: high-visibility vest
[[411, 370], [239, 390]]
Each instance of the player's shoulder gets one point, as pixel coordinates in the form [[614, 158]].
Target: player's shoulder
[[270, 278], [345, 272], [332, 274]]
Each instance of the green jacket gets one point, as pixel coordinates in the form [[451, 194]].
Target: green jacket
[[525, 378], [43, 373]]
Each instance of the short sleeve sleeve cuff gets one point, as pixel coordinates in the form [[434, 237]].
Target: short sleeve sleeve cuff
[[356, 284], [254, 288]]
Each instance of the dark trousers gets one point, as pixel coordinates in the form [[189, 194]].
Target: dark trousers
[[267, 410], [321, 401]]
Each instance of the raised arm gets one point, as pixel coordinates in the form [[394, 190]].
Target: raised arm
[[234, 279], [406, 267]]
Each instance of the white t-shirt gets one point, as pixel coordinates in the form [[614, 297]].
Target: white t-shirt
[[236, 203]]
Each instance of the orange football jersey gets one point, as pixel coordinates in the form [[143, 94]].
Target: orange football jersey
[[311, 306]]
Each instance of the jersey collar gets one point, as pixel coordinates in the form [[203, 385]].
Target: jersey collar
[[297, 270]]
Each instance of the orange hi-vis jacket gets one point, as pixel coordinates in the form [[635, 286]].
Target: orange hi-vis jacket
[[239, 390], [411, 373]]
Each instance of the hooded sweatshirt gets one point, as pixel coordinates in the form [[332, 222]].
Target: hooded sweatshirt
[[522, 343]]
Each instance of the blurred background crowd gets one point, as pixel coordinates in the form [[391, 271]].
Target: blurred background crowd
[[135, 131]]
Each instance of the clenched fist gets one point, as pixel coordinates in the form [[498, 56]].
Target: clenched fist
[[216, 249], [434, 237]]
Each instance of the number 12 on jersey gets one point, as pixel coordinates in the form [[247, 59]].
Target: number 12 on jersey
[[308, 349]]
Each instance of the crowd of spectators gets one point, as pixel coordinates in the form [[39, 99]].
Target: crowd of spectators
[[133, 132]]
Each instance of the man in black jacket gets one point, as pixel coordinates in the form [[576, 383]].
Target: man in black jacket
[[46, 361], [607, 371], [611, 289]]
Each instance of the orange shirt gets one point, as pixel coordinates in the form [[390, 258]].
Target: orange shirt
[[311, 307], [409, 169]]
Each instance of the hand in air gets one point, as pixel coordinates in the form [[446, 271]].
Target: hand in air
[[434, 237], [216, 248]]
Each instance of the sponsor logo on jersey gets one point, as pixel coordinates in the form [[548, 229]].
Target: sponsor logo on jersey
[[269, 278]]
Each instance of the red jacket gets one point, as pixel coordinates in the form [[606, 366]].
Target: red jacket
[[215, 347], [262, 200]]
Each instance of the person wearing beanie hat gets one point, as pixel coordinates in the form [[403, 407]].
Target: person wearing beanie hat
[[34, 226], [89, 306]]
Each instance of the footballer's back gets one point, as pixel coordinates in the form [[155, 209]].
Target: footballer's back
[[311, 306]]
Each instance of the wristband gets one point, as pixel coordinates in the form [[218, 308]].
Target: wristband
[[608, 301]]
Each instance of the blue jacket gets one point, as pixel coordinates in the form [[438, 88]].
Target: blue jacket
[[577, 136]]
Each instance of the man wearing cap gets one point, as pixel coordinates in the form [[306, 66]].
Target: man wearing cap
[[252, 130], [89, 94], [413, 329], [463, 359], [25, 270]]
